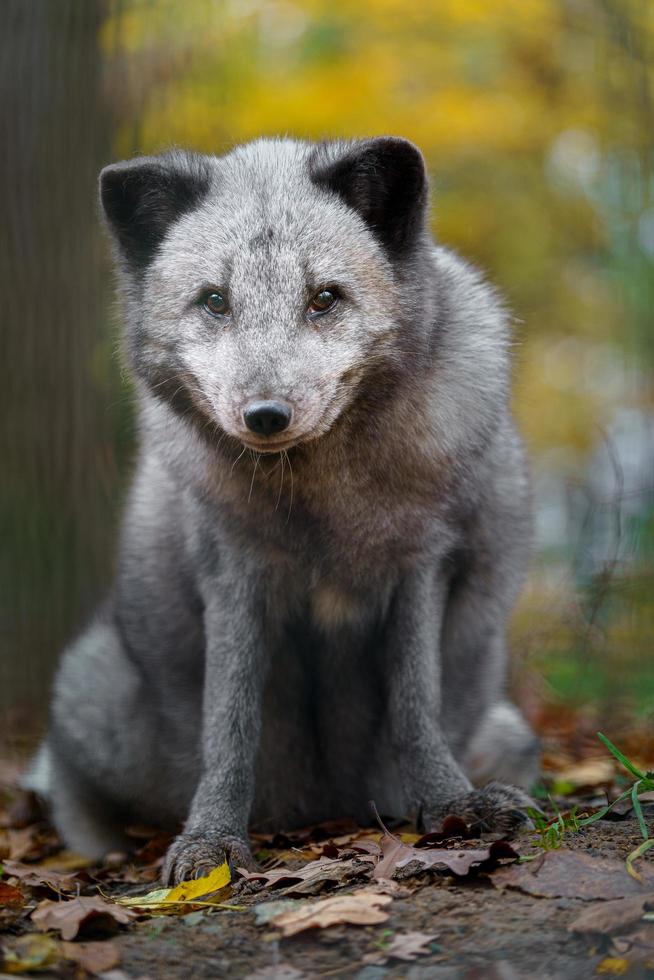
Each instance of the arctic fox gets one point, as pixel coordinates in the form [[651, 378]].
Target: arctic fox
[[329, 521]]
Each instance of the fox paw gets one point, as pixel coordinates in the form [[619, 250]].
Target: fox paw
[[495, 808], [194, 855]]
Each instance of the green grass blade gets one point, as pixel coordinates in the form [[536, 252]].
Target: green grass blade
[[585, 821], [538, 818], [629, 766], [638, 810]]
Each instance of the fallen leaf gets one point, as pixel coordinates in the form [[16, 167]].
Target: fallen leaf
[[70, 915], [329, 830], [313, 876], [612, 916], [10, 896], [392, 850], [186, 893], [36, 876], [459, 861], [452, 827], [366, 847], [404, 946], [17, 844], [362, 908], [30, 953], [613, 965], [572, 874], [35, 843], [66, 861], [93, 957]]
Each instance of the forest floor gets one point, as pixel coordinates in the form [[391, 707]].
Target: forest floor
[[562, 901]]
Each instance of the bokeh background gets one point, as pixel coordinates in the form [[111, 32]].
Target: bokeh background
[[536, 118]]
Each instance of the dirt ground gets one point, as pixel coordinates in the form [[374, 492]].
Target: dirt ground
[[481, 933], [512, 918]]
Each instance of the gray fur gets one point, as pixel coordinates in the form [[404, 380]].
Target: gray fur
[[318, 620]]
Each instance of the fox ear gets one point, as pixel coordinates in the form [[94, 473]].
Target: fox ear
[[386, 182], [142, 197]]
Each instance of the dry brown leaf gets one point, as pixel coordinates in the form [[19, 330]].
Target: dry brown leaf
[[35, 875], [314, 876], [393, 851], [93, 957], [35, 843], [17, 844], [66, 861], [69, 916], [363, 908], [366, 846], [451, 827], [460, 861], [286, 876], [571, 874], [408, 945], [10, 896], [610, 917], [306, 836], [404, 946]]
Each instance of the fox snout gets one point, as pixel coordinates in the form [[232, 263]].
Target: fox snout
[[267, 418]]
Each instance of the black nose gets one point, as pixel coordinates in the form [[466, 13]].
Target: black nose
[[267, 418]]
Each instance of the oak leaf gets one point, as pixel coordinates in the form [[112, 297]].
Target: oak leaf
[[69, 916], [363, 908]]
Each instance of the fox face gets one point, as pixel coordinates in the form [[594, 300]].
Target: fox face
[[264, 286]]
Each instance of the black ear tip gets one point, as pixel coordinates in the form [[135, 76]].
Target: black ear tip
[[118, 175], [111, 183], [108, 179], [401, 152], [399, 145]]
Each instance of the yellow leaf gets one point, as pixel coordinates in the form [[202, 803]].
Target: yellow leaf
[[613, 965], [29, 954], [187, 892]]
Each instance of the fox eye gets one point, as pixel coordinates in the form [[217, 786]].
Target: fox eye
[[215, 303], [323, 301]]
